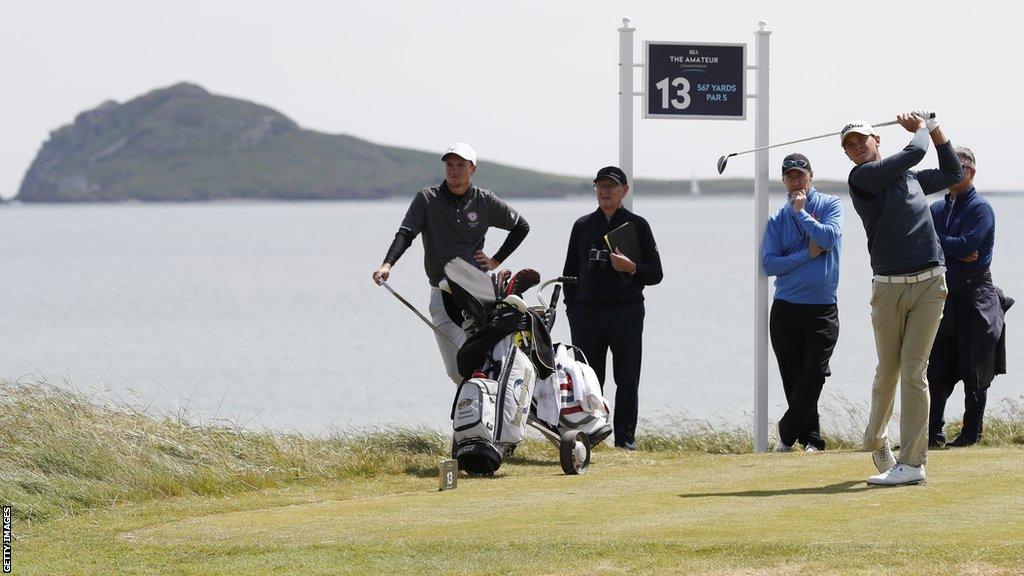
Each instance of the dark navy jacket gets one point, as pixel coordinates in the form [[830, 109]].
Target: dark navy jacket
[[965, 223], [973, 315], [605, 286]]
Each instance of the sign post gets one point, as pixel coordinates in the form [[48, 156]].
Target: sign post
[[626, 107], [684, 80], [761, 37]]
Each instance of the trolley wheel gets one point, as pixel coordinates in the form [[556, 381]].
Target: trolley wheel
[[574, 452]]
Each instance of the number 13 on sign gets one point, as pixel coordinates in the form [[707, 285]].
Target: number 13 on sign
[[682, 86]]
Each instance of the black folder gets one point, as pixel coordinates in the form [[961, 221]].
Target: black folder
[[624, 238]]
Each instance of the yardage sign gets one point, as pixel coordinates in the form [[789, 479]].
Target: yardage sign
[[683, 80], [448, 475]]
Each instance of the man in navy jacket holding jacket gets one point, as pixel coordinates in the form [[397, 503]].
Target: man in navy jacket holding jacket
[[971, 343], [801, 249]]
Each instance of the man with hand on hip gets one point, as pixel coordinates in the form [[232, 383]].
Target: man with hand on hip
[[908, 288], [801, 249], [453, 218]]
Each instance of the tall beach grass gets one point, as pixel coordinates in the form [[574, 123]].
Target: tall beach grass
[[63, 451]]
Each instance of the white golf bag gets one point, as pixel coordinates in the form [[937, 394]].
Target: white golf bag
[[515, 376], [570, 398], [489, 416]]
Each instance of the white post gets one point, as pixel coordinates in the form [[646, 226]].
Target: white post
[[626, 107], [761, 38]]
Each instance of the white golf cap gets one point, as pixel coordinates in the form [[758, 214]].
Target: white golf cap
[[461, 149], [858, 127]]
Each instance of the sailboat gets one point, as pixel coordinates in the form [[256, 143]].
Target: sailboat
[[694, 186]]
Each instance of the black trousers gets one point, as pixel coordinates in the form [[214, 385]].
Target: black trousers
[[803, 337], [943, 374], [596, 329]]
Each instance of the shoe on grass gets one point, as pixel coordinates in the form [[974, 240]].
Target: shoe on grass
[[883, 458], [812, 448], [899, 475], [628, 446], [781, 446], [961, 442]]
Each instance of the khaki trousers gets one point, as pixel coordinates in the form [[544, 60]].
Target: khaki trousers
[[905, 318]]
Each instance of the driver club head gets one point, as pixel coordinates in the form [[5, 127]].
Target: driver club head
[[721, 163]]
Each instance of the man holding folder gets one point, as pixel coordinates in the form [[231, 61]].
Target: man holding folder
[[613, 253]]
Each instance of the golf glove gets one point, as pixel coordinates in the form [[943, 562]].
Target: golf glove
[[929, 123]]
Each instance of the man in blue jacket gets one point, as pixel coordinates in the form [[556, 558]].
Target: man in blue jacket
[[606, 306], [801, 249], [971, 343]]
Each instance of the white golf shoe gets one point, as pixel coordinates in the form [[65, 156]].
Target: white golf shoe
[[884, 460], [900, 474]]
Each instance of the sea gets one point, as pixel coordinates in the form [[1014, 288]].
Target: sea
[[264, 314]]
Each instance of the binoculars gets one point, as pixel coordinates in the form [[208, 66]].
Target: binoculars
[[599, 259]]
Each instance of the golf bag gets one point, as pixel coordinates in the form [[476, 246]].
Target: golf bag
[[512, 370], [581, 406], [507, 350], [489, 416]]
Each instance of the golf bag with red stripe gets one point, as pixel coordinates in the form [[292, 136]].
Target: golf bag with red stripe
[[581, 406]]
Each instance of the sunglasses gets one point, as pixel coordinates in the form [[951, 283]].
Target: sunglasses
[[796, 163]]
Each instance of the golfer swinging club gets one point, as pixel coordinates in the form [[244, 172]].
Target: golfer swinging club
[[453, 217], [908, 288]]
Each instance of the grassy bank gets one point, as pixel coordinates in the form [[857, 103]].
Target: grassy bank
[[102, 488], [643, 513], [62, 452]]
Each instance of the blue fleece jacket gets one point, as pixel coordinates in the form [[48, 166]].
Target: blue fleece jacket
[[801, 279]]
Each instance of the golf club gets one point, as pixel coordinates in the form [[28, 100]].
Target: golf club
[[724, 159], [421, 316]]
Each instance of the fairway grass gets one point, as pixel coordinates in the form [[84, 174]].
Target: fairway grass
[[632, 513]]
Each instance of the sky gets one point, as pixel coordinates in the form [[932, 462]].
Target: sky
[[527, 83]]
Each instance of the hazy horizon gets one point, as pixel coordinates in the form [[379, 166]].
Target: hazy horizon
[[529, 84]]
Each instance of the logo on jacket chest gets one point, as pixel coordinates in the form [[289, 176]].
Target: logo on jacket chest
[[473, 219]]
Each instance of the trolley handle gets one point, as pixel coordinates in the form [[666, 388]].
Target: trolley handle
[[549, 315]]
